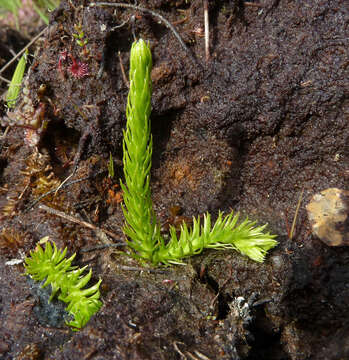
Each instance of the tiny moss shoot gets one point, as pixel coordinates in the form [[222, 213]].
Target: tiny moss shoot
[[141, 226]]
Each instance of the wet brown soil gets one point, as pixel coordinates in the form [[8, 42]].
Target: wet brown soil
[[263, 119]]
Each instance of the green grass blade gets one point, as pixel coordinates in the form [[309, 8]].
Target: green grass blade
[[41, 13], [16, 82], [10, 5]]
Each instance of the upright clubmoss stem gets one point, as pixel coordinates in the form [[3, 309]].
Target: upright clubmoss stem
[[141, 226]]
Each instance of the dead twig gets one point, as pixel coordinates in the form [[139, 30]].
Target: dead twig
[[23, 50], [221, 288], [102, 247], [181, 21], [5, 132], [35, 202], [64, 181], [120, 25], [155, 14], [252, 4], [5, 80], [175, 345], [123, 71], [201, 355], [83, 139], [79, 222], [142, 269], [207, 32], [296, 214]]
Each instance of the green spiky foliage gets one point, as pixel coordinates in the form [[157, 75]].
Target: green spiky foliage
[[226, 233], [67, 280], [141, 227]]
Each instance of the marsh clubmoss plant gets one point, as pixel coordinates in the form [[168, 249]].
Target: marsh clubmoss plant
[[141, 226], [66, 280]]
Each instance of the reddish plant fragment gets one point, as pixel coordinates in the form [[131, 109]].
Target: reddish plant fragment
[[78, 69]]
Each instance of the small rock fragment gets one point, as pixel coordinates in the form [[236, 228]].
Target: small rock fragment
[[328, 213]]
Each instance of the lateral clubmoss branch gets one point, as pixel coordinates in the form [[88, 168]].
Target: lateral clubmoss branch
[[141, 227], [67, 281]]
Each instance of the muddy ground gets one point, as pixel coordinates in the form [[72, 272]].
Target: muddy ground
[[264, 118]]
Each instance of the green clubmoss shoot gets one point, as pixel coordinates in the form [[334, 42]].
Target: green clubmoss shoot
[[141, 226]]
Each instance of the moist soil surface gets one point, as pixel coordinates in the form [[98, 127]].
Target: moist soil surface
[[258, 124]]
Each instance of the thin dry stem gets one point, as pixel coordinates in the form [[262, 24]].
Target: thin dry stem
[[252, 4], [123, 71], [5, 80], [155, 14], [207, 31], [35, 202], [77, 221], [175, 345], [296, 214], [23, 50]]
